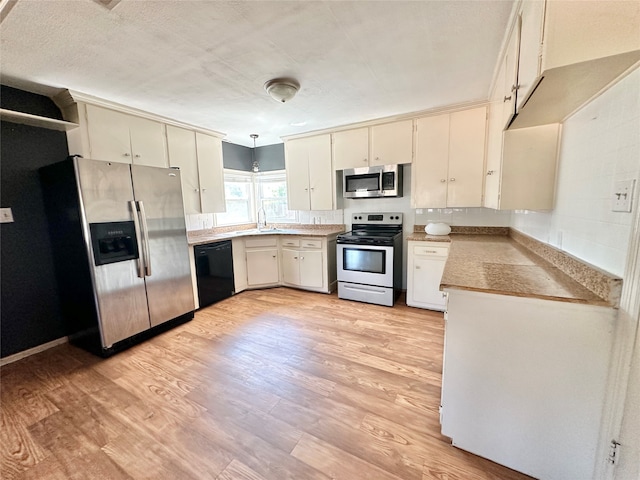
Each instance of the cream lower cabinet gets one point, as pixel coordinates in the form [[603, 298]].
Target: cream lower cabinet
[[448, 169], [309, 173], [304, 263], [272, 260], [524, 381], [425, 264], [262, 261], [199, 158], [117, 137]]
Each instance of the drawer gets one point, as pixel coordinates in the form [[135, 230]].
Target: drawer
[[430, 250], [311, 243], [270, 241], [291, 242]]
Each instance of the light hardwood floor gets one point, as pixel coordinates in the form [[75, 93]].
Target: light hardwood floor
[[274, 384]]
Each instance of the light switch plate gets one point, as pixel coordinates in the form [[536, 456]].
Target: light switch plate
[[6, 216], [622, 195]]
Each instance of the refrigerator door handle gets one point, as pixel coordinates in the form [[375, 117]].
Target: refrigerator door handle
[[136, 226], [145, 235]]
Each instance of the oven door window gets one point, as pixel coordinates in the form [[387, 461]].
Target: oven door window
[[368, 182], [363, 260]]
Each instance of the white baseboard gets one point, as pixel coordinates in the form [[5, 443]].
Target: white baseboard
[[32, 351]]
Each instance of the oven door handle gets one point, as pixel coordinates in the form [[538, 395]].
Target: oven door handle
[[365, 290]]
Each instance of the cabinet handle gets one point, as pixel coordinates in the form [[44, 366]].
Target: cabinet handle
[[196, 190], [514, 88], [417, 267], [507, 99], [312, 189], [442, 180], [306, 189], [377, 159], [295, 258], [204, 189], [274, 256], [452, 179], [126, 154], [301, 258], [491, 172], [365, 160], [137, 156]]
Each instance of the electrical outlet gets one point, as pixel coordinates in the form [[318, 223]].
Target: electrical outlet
[[6, 216], [622, 195]]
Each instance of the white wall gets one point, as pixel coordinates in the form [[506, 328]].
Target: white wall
[[600, 145]]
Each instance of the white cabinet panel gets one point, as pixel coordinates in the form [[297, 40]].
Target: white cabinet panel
[[262, 267], [467, 132], [425, 264], [311, 269], [351, 148], [118, 137], [210, 173], [182, 154], [392, 143], [448, 170], [309, 173], [108, 135]]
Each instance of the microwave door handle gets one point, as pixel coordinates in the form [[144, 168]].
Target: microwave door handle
[[136, 227], [145, 236]]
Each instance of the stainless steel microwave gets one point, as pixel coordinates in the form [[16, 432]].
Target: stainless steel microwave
[[371, 182]]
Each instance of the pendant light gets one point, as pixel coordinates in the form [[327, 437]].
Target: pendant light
[[255, 167]]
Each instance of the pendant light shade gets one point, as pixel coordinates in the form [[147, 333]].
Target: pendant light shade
[[282, 89], [255, 167]]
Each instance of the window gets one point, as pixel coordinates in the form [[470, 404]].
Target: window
[[246, 191], [238, 191], [271, 193]]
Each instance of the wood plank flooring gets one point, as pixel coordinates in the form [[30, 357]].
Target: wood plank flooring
[[273, 384]]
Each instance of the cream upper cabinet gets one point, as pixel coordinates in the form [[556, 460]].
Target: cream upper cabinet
[[392, 143], [309, 173], [530, 24], [449, 164], [351, 148], [210, 173], [118, 137], [569, 51], [199, 158], [385, 144]]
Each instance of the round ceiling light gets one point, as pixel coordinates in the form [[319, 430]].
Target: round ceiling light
[[282, 89]]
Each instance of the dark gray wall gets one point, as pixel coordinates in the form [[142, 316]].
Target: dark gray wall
[[238, 157], [270, 157], [30, 313]]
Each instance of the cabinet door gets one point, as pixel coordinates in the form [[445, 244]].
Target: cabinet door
[[291, 266], [262, 267], [108, 135], [297, 165], [351, 149], [311, 269], [392, 143], [494, 156], [466, 158], [426, 276], [320, 172], [182, 154], [531, 19], [148, 145], [510, 76], [429, 170], [210, 173]]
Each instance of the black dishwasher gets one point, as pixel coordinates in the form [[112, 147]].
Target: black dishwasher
[[214, 270]]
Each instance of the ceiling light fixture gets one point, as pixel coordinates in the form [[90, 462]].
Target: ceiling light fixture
[[282, 89], [255, 167]]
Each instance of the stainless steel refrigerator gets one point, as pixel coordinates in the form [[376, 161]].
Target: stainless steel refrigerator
[[120, 246]]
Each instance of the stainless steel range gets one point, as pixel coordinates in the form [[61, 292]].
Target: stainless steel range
[[370, 258]]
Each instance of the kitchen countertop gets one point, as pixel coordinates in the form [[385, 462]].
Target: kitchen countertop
[[499, 264], [199, 237]]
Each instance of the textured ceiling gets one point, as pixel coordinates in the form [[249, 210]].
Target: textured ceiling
[[205, 62]]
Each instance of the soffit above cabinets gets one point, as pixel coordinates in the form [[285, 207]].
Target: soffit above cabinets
[[205, 63]]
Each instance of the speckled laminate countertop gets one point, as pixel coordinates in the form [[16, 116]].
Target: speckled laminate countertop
[[199, 237], [500, 264]]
